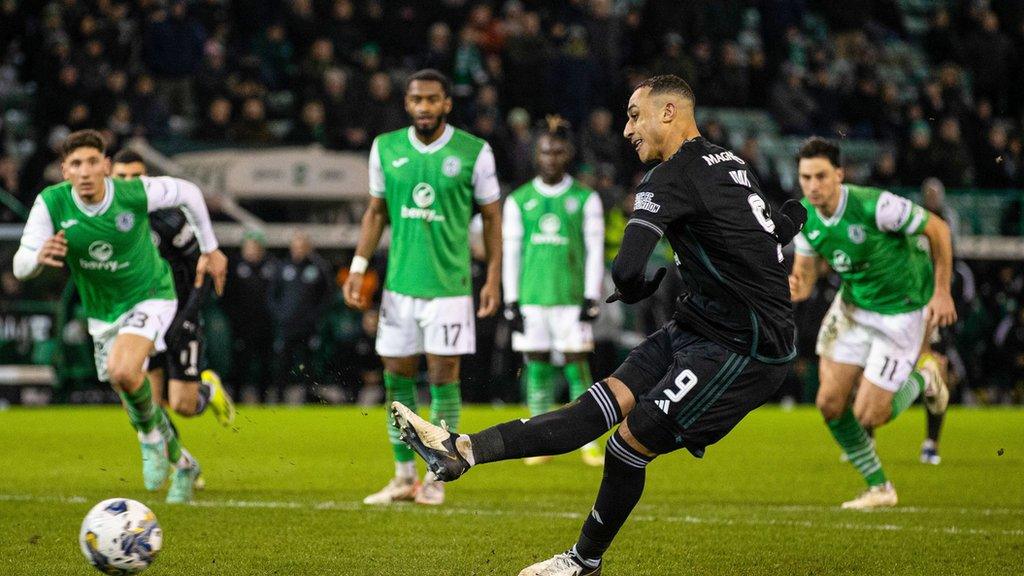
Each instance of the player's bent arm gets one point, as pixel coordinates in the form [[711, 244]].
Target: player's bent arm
[[940, 238], [630, 263], [511, 248], [38, 229], [168, 192], [803, 277]]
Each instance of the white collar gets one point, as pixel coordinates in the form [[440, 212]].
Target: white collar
[[96, 209], [433, 146], [552, 191], [834, 218]]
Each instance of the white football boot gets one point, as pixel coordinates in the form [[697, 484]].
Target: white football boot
[[560, 565], [883, 496], [431, 492], [396, 490]]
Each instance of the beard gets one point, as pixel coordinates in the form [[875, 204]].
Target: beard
[[431, 128]]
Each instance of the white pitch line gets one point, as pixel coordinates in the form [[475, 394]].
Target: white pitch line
[[456, 511]]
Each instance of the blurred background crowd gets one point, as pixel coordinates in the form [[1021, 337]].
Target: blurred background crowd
[[924, 95]]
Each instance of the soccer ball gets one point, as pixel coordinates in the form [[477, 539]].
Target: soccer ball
[[120, 536]]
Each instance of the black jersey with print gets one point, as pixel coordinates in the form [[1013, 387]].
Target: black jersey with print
[[709, 205], [176, 240]]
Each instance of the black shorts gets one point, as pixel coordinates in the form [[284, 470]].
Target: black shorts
[[183, 357], [691, 391]]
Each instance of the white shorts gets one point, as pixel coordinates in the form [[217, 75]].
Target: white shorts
[[149, 319], [886, 345], [410, 326], [553, 328]]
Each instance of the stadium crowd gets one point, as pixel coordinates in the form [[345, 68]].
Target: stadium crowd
[[941, 85]]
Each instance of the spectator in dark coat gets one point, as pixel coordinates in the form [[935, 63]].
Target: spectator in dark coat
[[247, 304], [300, 291], [173, 52]]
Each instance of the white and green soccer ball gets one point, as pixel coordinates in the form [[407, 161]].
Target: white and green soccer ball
[[120, 536]]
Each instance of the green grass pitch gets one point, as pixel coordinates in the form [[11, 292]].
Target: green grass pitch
[[284, 492]]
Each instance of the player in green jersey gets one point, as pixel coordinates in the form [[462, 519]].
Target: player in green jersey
[[892, 295], [424, 180], [99, 228], [552, 241]]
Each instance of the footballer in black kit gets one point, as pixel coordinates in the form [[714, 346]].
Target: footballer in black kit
[[725, 351], [176, 375], [174, 237], [723, 354]]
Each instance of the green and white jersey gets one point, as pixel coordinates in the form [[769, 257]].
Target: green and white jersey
[[872, 242], [111, 255], [429, 190], [552, 238]]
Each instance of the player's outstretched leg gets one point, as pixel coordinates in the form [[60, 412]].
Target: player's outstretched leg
[[217, 397], [144, 414], [577, 373], [405, 485], [449, 456]]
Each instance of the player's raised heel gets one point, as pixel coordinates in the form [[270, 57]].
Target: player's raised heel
[[883, 496], [154, 465], [561, 565], [182, 481], [220, 401], [936, 393], [435, 444]]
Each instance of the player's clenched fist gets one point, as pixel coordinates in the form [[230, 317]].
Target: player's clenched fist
[[54, 250], [352, 290]]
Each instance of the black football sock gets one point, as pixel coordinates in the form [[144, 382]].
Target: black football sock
[[625, 471], [557, 432], [934, 425]]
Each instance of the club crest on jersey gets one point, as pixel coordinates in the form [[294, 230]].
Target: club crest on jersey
[[125, 221], [645, 201], [451, 166], [856, 233], [572, 205], [549, 225]]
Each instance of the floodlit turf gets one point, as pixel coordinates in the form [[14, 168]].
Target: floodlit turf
[[284, 493]]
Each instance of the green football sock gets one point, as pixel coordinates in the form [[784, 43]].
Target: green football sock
[[911, 388], [858, 447], [140, 407], [170, 434], [578, 375], [540, 386], [400, 389], [446, 404]]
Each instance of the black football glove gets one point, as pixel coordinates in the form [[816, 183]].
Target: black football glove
[[649, 287], [590, 310], [514, 316], [790, 221]]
